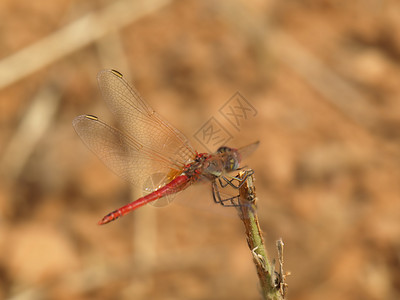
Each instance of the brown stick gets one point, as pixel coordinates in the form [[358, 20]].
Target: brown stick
[[272, 285]]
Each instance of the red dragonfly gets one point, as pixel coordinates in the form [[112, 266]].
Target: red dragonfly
[[148, 151]]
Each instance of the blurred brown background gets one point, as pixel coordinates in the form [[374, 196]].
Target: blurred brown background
[[324, 78]]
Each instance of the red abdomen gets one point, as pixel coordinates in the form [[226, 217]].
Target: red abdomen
[[176, 185]]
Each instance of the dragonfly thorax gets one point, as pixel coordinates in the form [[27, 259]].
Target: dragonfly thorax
[[223, 161], [195, 168]]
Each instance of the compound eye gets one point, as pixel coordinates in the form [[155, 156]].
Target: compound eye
[[223, 149]]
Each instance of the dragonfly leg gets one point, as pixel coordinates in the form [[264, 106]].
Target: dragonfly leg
[[234, 182], [231, 201]]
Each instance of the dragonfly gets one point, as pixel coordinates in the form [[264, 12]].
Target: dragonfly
[[148, 151]]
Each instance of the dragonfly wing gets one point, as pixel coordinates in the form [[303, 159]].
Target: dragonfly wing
[[246, 151], [123, 154], [137, 118]]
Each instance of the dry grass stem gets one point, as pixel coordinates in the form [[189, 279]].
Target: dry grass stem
[[73, 37]]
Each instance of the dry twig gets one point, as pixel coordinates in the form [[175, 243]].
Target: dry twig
[[272, 283]]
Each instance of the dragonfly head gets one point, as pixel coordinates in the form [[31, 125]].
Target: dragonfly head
[[231, 158]]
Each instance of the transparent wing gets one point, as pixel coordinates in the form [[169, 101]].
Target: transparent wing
[[246, 151], [124, 154], [138, 119]]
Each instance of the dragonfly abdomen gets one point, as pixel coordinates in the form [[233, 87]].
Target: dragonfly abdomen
[[176, 185]]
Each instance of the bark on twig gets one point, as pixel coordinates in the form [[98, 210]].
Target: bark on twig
[[272, 283]]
